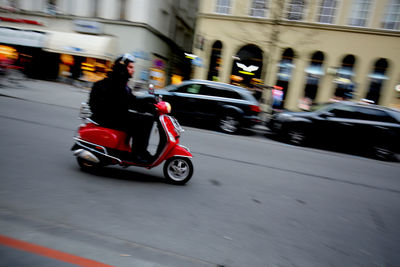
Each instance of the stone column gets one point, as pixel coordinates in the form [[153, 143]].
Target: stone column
[[326, 86], [296, 84], [226, 63], [388, 92], [362, 68]]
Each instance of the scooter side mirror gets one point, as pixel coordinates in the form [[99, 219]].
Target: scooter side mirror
[[151, 89]]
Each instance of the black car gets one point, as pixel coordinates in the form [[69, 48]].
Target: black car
[[226, 106], [356, 126]]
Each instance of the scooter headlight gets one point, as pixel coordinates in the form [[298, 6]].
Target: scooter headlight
[[163, 107]]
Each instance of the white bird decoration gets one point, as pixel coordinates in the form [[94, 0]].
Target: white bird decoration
[[250, 68]]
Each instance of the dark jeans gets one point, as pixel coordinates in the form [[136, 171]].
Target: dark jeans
[[140, 129]]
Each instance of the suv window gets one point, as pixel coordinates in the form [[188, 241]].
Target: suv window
[[371, 114], [231, 94], [189, 89], [220, 92], [347, 112]]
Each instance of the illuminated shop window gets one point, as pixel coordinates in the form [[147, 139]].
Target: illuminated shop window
[[345, 85], [377, 77], [360, 13], [327, 11], [215, 61], [223, 7], [259, 8], [391, 20]]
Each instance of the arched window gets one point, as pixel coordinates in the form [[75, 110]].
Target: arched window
[[377, 77], [247, 65], [345, 85], [284, 76], [215, 61], [314, 72]]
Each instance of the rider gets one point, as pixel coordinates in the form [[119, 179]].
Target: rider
[[110, 100]]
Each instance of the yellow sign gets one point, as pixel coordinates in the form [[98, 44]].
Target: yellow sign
[[157, 78]]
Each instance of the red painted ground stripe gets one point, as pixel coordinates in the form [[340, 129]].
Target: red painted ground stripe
[[50, 253]]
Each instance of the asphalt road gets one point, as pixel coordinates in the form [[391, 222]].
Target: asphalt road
[[251, 202]]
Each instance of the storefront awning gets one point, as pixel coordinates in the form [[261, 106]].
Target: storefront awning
[[14, 36], [85, 45]]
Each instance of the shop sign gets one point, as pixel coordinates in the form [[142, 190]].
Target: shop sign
[[157, 78], [248, 70], [87, 26], [158, 63]]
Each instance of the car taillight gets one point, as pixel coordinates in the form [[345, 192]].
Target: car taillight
[[255, 108]]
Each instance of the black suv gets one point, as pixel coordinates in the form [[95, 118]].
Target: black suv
[[364, 127], [228, 107]]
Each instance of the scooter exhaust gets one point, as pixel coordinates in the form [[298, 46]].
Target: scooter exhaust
[[84, 154]]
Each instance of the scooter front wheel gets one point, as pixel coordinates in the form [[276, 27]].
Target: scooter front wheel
[[178, 170]]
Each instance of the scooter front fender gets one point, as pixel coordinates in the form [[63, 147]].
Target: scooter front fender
[[179, 150]]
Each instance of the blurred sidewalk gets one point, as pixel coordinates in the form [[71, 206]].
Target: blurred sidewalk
[[16, 84]]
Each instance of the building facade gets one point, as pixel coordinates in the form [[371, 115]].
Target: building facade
[[313, 50], [79, 39]]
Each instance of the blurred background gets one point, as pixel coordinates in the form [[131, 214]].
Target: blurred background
[[313, 51], [252, 201]]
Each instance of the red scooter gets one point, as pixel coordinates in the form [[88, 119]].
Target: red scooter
[[96, 146]]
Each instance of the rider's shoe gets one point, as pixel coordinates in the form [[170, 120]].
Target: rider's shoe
[[140, 159]]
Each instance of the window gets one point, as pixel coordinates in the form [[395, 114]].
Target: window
[[327, 11], [360, 13], [295, 10], [391, 21], [343, 111], [258, 8], [370, 114], [219, 92], [223, 7], [189, 89]]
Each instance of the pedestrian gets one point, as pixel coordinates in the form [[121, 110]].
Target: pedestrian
[[110, 101]]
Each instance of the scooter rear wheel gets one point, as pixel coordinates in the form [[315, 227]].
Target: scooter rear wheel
[[178, 170]]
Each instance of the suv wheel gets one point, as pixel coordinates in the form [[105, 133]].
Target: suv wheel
[[229, 123], [296, 136], [382, 151]]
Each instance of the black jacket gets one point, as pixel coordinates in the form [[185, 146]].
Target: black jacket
[[109, 101]]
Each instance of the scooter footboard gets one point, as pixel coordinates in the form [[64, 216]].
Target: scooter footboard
[[179, 150]]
